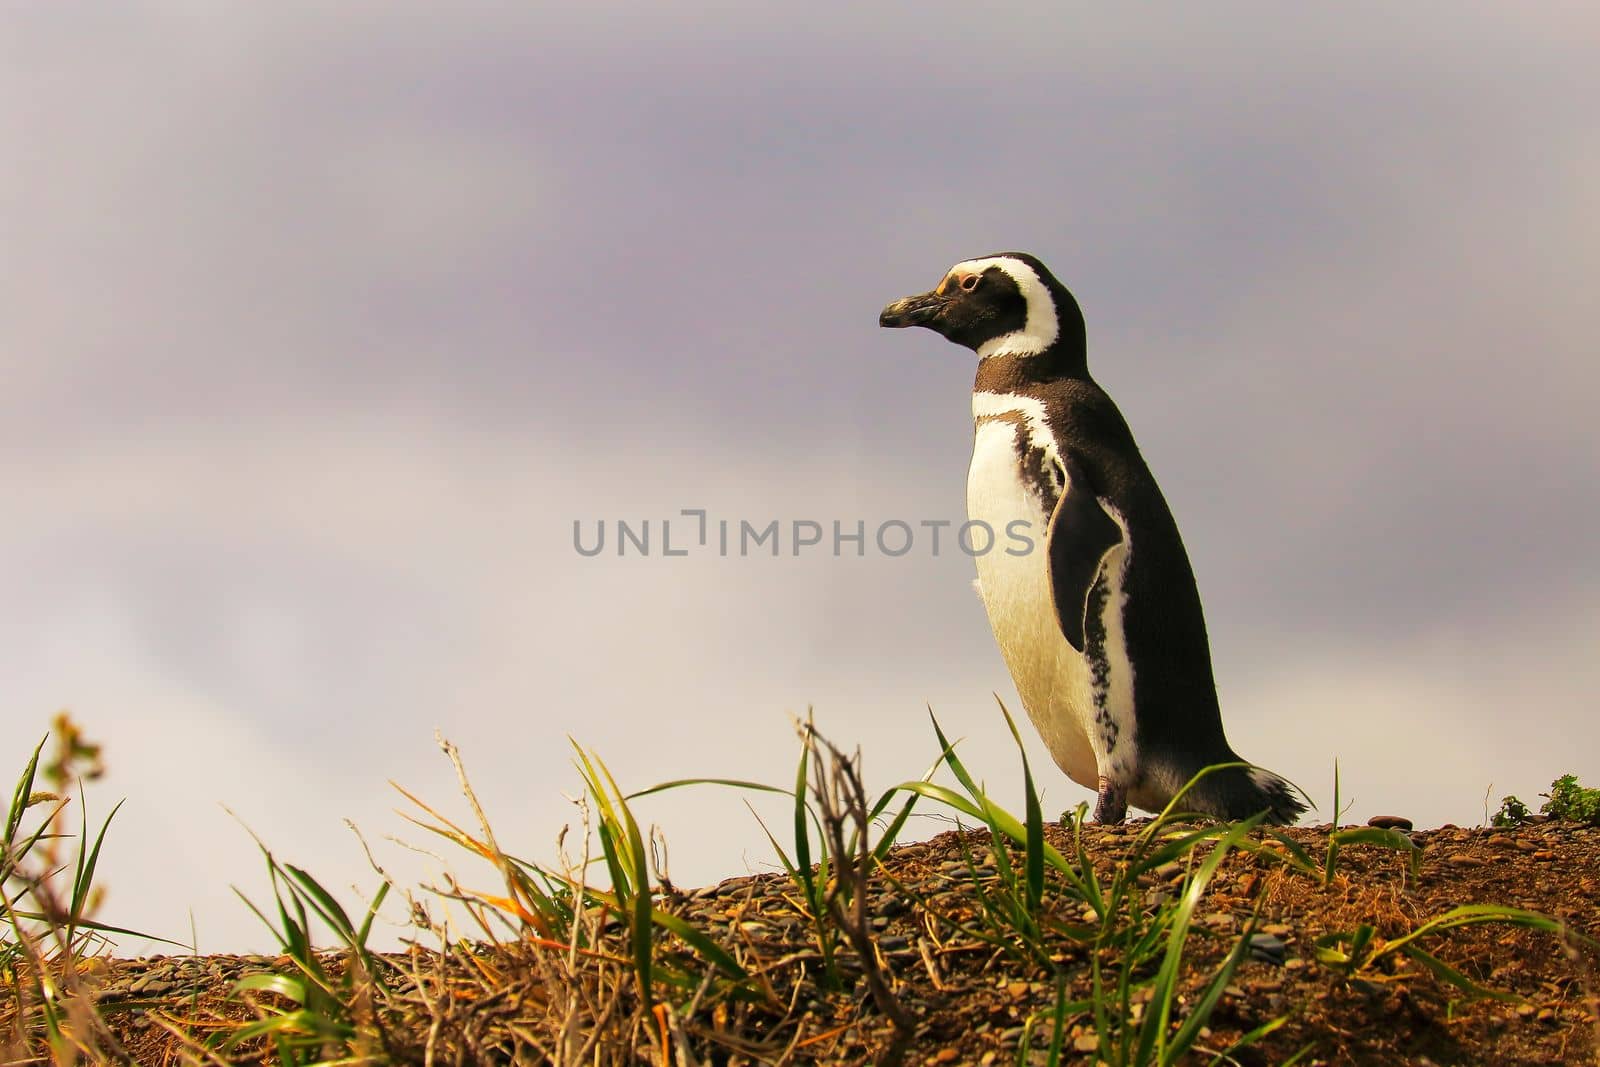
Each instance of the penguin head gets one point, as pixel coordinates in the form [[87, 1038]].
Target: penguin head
[[1003, 304]]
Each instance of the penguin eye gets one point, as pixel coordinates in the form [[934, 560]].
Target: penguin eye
[[970, 282]]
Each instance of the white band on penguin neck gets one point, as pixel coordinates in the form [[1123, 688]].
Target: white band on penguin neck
[[1041, 327]]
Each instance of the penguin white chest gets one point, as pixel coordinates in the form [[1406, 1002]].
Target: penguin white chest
[[1052, 678]]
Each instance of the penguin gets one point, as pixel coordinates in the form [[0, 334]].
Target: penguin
[[1099, 621]]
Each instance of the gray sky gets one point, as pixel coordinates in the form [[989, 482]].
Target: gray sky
[[319, 327]]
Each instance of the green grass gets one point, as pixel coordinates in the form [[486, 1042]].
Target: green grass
[[314, 1019], [47, 903], [1132, 947]]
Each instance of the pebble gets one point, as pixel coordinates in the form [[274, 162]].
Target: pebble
[[1498, 841], [1268, 948], [1462, 859], [1390, 822], [1089, 1042], [1544, 855], [1169, 872]]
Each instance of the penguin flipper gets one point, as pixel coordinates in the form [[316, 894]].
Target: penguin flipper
[[1080, 535]]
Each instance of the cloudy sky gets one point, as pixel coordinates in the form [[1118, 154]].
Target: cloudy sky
[[321, 325]]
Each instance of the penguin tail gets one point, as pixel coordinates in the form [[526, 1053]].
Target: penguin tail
[[1238, 792]]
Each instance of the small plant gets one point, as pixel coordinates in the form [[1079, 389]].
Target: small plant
[[812, 880], [631, 894], [1571, 801], [1513, 812], [1567, 800], [1362, 835], [322, 1022], [1361, 954], [47, 900]]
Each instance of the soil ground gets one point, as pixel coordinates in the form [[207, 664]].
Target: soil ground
[[970, 1000]]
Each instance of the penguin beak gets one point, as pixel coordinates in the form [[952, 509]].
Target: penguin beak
[[919, 310]]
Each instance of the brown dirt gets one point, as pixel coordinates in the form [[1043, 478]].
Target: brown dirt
[[970, 999]]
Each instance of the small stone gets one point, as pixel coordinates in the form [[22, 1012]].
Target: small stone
[[1498, 841], [945, 1055], [1544, 855], [1268, 948], [1169, 872], [1390, 822], [1546, 1015], [1462, 859], [1089, 1042], [151, 985], [1017, 990], [1277, 929]]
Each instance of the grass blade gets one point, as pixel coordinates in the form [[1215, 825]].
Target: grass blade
[[1034, 844]]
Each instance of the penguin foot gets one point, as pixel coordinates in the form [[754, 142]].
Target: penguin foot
[[1111, 806]]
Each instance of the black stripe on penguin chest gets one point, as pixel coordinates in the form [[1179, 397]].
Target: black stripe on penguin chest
[[1038, 471]]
